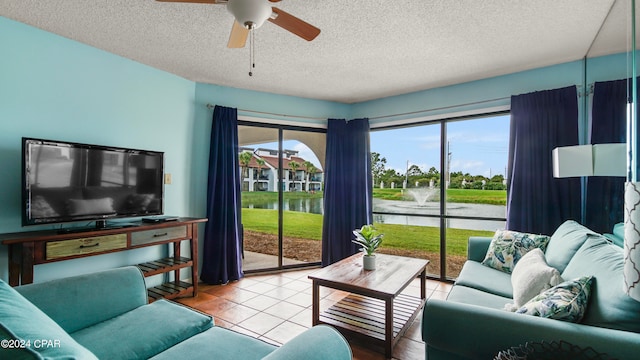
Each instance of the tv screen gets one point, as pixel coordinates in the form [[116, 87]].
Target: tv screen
[[65, 181]]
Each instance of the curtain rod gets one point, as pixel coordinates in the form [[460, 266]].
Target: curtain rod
[[589, 90], [210, 106], [439, 108]]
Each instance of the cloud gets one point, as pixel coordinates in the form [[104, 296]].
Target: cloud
[[468, 166]]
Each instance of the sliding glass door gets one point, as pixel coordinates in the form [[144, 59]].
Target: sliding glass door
[[282, 191]]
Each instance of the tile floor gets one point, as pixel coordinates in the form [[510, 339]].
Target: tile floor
[[277, 307]]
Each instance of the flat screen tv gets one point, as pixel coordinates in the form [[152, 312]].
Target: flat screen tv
[[66, 181]]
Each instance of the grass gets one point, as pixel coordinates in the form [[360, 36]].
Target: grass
[[295, 224], [473, 196], [309, 226]]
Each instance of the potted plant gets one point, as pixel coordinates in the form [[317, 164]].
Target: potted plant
[[369, 239]]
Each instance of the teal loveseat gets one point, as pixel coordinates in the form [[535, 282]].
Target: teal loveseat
[[105, 315], [472, 322]]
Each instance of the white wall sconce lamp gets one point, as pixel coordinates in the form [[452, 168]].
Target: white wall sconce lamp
[[590, 160]]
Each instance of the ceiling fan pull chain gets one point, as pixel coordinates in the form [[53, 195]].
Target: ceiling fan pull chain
[[252, 63]]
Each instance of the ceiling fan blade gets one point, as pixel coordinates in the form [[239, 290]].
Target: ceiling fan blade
[[238, 37], [275, 0], [196, 1], [294, 25]]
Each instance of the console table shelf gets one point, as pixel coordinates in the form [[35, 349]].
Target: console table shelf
[[170, 290], [28, 249], [164, 265]]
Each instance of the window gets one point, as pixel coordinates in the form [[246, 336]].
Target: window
[[436, 184]]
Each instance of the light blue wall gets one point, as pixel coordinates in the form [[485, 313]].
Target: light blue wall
[[54, 88]]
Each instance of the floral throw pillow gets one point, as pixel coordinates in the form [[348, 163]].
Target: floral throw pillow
[[508, 247], [566, 301]]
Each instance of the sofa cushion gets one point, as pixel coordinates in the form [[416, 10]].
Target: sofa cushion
[[477, 276], [531, 276], [609, 307], [23, 321], [217, 343], [120, 290], [508, 247], [566, 301], [564, 243], [143, 332], [617, 238], [471, 296]]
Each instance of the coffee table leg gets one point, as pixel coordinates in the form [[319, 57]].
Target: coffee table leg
[[315, 303], [388, 328]]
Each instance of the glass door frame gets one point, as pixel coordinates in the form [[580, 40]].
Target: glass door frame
[[280, 186]]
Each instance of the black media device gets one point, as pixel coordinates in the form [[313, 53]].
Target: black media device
[[65, 181], [159, 219]]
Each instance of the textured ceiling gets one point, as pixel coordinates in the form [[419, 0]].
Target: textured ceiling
[[367, 49]]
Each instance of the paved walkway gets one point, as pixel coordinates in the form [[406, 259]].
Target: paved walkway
[[255, 261]]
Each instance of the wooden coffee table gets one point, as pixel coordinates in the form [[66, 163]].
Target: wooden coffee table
[[375, 309]]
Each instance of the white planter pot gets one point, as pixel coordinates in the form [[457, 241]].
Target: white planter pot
[[369, 262]]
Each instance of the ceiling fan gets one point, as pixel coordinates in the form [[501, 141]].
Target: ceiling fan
[[251, 14]]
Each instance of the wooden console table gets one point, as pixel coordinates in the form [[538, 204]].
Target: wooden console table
[[27, 249], [376, 309]]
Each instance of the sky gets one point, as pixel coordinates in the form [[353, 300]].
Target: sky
[[478, 146]]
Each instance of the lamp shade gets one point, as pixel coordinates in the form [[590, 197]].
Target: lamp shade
[[590, 160], [610, 159], [571, 161]]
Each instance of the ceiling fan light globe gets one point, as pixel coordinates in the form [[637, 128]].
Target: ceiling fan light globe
[[250, 13]]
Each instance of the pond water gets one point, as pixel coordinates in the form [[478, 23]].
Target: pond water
[[313, 206], [316, 206]]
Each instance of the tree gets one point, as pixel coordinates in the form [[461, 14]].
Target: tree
[[245, 159], [311, 169], [377, 167], [433, 173], [260, 163], [294, 165], [497, 178], [414, 170], [390, 175]]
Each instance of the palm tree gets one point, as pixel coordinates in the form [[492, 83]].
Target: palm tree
[[260, 163], [245, 159], [294, 165], [311, 169]]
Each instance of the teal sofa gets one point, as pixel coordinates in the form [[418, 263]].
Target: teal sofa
[[472, 323], [105, 315]]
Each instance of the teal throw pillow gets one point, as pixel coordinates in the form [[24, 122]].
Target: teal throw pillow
[[566, 301], [508, 247]]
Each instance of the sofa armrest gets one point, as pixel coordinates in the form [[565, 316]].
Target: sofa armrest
[[477, 248], [318, 343], [81, 301], [477, 332]]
